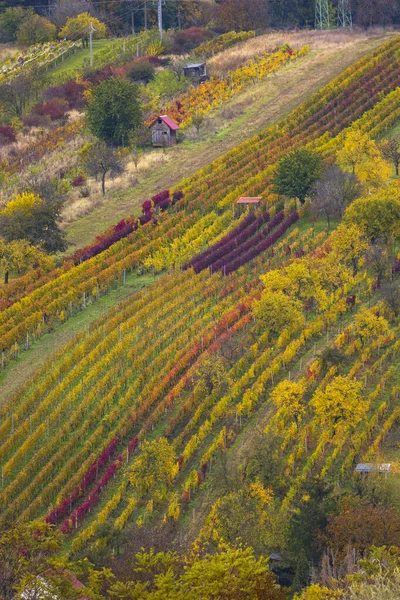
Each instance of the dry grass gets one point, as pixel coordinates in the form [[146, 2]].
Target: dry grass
[[317, 40], [7, 51]]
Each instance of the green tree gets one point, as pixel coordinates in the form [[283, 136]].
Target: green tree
[[77, 28], [11, 20], [36, 30], [100, 159], [114, 111], [296, 173]]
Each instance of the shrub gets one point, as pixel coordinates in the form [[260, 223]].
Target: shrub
[[55, 109], [36, 120], [141, 71], [71, 92], [187, 39], [78, 181], [7, 135]]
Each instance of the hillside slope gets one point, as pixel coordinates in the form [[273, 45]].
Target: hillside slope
[[195, 357]]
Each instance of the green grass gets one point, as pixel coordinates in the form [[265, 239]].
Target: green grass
[[75, 61]]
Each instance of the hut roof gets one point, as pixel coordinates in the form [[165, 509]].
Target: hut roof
[[167, 120], [370, 467], [194, 65], [250, 200]]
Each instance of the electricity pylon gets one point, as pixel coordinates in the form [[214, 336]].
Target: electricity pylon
[[322, 14], [344, 17]]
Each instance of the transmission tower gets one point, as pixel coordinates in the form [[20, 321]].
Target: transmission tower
[[322, 14], [344, 14]]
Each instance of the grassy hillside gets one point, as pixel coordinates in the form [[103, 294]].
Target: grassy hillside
[[252, 375]]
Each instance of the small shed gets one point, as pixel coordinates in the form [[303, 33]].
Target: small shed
[[251, 202], [366, 468], [163, 131], [196, 71]]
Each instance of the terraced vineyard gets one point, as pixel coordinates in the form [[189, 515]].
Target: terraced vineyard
[[73, 433]]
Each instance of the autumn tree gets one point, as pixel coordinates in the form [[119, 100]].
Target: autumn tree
[[361, 525], [296, 173], [362, 157], [242, 15], [35, 219], [377, 215], [36, 30], [154, 469], [77, 28], [390, 150], [211, 374], [114, 111], [18, 256], [333, 192], [290, 396], [340, 403], [101, 160], [29, 553], [369, 323], [348, 244], [276, 311]]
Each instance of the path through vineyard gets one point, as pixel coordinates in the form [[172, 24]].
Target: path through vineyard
[[258, 107]]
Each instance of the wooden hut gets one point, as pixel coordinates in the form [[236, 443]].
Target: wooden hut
[[163, 131], [197, 72], [246, 201]]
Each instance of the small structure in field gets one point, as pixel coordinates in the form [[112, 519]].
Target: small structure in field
[[244, 201], [366, 468], [197, 72], [163, 131]]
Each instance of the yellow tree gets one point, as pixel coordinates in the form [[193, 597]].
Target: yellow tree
[[18, 256], [277, 311], [369, 324], [154, 469], [362, 157], [348, 244], [77, 28], [340, 403], [377, 215], [290, 395]]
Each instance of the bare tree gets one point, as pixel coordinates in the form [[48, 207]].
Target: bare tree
[[391, 297], [333, 192], [390, 150], [101, 159], [61, 10]]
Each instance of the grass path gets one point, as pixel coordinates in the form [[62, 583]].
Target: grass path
[[245, 115]]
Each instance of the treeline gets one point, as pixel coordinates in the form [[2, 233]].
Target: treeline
[[125, 16]]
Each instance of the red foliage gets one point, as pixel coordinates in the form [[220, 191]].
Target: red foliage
[[71, 92], [187, 39], [78, 181], [55, 109], [7, 135]]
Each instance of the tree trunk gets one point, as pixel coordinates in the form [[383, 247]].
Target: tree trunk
[[6, 274], [103, 184], [397, 169]]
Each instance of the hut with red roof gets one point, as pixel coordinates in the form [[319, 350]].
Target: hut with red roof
[[163, 131]]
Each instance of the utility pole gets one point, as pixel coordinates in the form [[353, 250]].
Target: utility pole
[[159, 14], [322, 14], [91, 31], [344, 15]]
